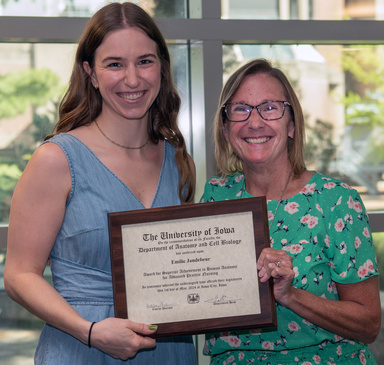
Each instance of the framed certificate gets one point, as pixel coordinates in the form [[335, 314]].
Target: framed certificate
[[192, 268]]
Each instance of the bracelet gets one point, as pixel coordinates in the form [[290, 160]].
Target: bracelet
[[89, 334]]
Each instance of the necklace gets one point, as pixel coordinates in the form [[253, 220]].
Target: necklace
[[280, 200], [120, 145]]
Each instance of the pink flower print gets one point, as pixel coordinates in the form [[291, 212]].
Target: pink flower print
[[318, 207], [284, 241], [343, 248], [293, 249], [357, 207], [306, 363], [307, 322], [310, 220], [303, 242], [308, 189], [357, 242], [369, 266], [363, 271], [348, 218], [366, 232], [304, 280], [338, 203], [344, 185], [313, 222], [238, 178], [293, 326], [233, 341], [291, 208], [339, 225], [240, 193], [329, 185], [229, 360], [339, 351], [332, 287], [241, 356], [327, 241], [220, 181], [308, 258], [212, 340], [267, 345], [296, 271], [270, 215], [362, 358], [317, 359], [338, 338], [354, 205], [350, 203]]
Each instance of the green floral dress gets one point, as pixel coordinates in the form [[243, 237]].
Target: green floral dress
[[326, 231]]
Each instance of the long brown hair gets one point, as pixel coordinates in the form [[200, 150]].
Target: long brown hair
[[227, 160], [82, 103]]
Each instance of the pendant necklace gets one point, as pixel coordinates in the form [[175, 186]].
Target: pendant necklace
[[280, 200], [120, 145]]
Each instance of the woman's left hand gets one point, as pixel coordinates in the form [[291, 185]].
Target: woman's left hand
[[276, 264]]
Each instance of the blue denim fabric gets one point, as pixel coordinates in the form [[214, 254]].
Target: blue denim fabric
[[80, 258]]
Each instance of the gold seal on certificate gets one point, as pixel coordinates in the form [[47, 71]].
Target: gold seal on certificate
[[192, 269]]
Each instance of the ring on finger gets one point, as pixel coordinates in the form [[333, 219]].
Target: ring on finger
[[277, 263]]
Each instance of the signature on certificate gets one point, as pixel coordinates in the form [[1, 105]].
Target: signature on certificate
[[162, 306], [223, 299]]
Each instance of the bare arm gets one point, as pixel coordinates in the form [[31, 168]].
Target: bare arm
[[37, 213], [356, 315]]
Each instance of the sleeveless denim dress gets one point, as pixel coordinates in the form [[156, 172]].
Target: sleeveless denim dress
[[80, 258]]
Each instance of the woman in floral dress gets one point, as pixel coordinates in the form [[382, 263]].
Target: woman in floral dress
[[322, 259]]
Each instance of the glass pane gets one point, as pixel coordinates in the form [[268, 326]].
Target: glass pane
[[85, 8], [342, 94], [33, 78], [303, 9]]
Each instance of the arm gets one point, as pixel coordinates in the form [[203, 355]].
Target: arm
[[356, 315], [37, 212]]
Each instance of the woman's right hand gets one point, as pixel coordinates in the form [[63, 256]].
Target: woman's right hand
[[121, 338]]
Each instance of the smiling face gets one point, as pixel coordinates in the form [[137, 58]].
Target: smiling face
[[127, 72], [259, 142]]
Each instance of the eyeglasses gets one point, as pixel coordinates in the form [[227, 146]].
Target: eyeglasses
[[269, 110]]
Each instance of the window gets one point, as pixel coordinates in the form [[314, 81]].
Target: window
[[207, 40]]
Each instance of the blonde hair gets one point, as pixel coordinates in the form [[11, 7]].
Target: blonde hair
[[228, 162]]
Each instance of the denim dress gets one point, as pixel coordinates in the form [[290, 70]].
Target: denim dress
[[80, 258]]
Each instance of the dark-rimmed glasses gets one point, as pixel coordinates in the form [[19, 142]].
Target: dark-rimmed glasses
[[269, 110]]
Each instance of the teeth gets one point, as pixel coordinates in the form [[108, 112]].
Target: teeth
[[132, 96], [257, 140]]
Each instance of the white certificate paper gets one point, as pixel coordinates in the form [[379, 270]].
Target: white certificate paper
[[191, 268]]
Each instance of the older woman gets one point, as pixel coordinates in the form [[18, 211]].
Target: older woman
[[322, 258]]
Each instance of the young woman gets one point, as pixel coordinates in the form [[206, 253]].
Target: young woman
[[116, 147]]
